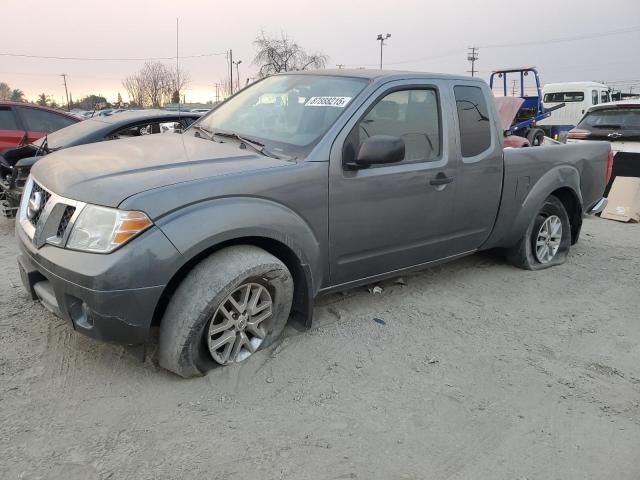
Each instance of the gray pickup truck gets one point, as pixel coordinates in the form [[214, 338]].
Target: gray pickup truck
[[298, 185]]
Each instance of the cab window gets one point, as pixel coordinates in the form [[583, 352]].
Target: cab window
[[412, 115], [594, 97], [474, 120]]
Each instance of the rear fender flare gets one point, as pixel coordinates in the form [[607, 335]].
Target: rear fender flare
[[561, 177]]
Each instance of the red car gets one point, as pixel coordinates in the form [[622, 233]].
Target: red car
[[24, 123]]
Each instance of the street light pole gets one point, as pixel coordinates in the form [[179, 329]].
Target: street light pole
[[382, 38], [238, 73], [64, 76]]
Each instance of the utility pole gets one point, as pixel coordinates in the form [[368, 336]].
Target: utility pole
[[231, 72], [217, 85], [237, 73], [64, 77], [513, 87], [472, 56], [177, 68], [382, 39]]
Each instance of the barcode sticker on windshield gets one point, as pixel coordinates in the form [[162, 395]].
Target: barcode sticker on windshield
[[339, 102]]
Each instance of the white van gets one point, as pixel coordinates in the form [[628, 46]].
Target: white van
[[578, 97]]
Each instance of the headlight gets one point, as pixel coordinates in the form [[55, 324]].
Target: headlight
[[102, 230]]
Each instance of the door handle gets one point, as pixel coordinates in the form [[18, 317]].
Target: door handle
[[441, 179]]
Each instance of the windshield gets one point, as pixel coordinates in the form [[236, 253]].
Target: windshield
[[566, 97], [628, 119], [288, 113], [66, 136]]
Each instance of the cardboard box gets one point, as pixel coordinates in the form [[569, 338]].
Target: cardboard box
[[624, 200]]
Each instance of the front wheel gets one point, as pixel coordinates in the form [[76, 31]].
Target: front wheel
[[546, 241], [232, 304]]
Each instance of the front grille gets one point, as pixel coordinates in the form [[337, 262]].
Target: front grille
[[52, 226], [45, 196], [64, 220]]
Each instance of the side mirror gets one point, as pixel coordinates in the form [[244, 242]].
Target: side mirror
[[379, 150]]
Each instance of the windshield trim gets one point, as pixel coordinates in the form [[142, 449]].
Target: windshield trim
[[278, 147]]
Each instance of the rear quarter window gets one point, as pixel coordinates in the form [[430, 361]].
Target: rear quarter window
[[43, 121], [474, 120]]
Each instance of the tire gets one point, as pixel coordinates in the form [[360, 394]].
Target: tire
[[535, 137], [529, 253], [199, 315]]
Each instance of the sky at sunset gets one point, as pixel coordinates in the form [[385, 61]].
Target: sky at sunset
[[600, 40]]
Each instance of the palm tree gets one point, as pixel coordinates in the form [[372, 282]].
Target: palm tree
[[42, 99], [17, 95]]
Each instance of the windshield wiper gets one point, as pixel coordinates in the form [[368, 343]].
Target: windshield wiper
[[253, 144], [203, 130], [44, 146]]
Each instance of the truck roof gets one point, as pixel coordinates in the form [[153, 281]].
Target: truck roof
[[563, 86], [632, 103], [373, 74]]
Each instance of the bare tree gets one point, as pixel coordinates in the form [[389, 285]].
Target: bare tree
[[283, 54], [156, 78], [178, 81], [5, 91], [223, 89], [134, 85], [155, 84]]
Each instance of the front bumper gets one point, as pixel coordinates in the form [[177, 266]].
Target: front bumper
[[108, 297]]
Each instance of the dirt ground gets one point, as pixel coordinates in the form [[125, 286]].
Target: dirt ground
[[472, 370]]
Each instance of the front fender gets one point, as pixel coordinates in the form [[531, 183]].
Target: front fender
[[201, 226], [517, 212]]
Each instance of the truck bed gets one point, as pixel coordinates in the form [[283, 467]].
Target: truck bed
[[531, 174]]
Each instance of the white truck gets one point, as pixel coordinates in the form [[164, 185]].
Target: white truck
[[578, 97]]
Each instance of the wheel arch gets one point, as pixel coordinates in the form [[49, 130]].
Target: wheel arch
[[573, 206], [515, 216], [302, 308]]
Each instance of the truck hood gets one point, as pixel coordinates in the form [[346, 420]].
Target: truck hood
[[106, 173]]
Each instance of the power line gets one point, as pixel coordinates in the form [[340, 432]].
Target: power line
[[109, 59], [566, 39], [455, 52]]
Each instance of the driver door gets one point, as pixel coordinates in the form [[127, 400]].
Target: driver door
[[397, 215]]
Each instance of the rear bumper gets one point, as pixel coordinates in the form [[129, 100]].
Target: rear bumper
[[86, 289], [598, 207]]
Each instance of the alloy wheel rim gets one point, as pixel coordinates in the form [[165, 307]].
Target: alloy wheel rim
[[548, 239], [237, 328]]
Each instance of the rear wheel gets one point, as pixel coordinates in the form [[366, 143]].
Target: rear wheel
[[232, 304], [546, 241], [535, 137]]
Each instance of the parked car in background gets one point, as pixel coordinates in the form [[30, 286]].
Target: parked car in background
[[618, 123], [16, 163], [23, 123], [301, 184], [577, 97]]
